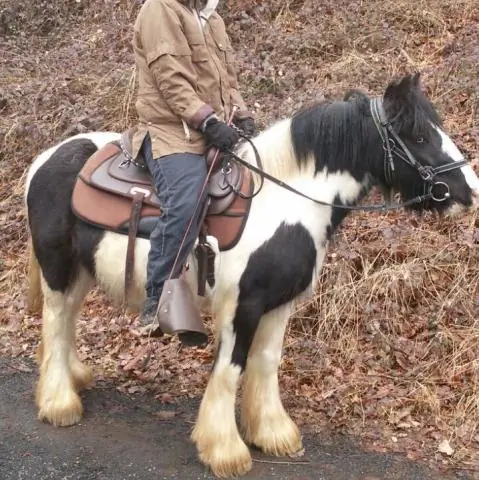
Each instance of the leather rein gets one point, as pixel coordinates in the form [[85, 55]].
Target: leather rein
[[392, 145]]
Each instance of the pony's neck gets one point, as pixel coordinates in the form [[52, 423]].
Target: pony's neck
[[276, 151], [330, 138]]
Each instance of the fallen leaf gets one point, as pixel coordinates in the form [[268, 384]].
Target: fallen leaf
[[445, 447], [165, 414]]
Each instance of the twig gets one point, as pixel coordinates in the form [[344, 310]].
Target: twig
[[408, 57], [281, 462]]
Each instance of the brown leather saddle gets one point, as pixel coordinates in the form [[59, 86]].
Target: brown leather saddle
[[115, 193]]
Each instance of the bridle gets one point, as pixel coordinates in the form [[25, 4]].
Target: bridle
[[393, 147]]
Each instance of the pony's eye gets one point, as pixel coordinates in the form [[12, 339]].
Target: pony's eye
[[420, 140]]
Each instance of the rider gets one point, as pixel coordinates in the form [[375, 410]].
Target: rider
[[187, 88]]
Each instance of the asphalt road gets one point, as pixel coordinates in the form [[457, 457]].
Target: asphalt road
[[123, 437]]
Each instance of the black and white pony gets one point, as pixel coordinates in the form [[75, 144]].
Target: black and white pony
[[334, 152]]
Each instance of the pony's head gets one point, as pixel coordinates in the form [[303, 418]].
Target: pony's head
[[423, 158]]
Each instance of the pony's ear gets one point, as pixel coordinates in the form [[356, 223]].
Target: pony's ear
[[416, 79], [398, 90]]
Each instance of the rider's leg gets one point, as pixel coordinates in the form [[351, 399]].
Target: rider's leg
[[178, 179]]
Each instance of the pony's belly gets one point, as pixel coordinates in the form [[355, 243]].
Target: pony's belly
[[110, 264]]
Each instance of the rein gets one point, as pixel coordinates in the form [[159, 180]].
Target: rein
[[289, 188], [198, 203], [392, 145]]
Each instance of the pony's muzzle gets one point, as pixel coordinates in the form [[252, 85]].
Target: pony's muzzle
[[475, 199]]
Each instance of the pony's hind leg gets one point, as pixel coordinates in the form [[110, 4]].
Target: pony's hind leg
[[64, 256], [264, 420], [34, 293], [62, 374]]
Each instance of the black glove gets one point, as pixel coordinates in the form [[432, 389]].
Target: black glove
[[219, 134], [246, 125]]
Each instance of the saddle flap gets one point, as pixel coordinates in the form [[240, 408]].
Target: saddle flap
[[227, 223], [105, 209], [123, 169], [102, 180]]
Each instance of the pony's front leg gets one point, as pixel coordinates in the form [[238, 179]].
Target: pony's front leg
[[263, 418], [62, 374], [218, 441]]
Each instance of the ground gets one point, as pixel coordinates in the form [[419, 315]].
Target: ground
[[388, 349], [135, 436]]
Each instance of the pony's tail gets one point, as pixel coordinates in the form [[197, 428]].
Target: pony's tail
[[34, 294]]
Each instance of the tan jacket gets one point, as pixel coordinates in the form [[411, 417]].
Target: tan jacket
[[185, 74]]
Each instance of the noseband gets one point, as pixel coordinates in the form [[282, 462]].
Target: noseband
[[394, 146]]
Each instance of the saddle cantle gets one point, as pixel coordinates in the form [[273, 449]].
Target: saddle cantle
[[115, 193]]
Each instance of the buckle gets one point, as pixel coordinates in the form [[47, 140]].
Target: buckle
[[226, 169], [427, 173], [125, 163], [144, 191]]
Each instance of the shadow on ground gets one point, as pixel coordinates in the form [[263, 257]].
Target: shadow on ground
[[123, 437]]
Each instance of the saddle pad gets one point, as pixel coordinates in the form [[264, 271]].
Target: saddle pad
[[104, 209], [112, 212]]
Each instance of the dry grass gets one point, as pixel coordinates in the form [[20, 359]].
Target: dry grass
[[390, 342], [397, 312]]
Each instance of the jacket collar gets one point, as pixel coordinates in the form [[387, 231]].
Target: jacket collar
[[205, 8], [208, 9]]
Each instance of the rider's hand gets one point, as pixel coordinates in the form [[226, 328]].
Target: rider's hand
[[219, 134], [246, 125]]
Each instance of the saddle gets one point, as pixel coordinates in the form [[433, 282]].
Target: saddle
[[112, 191]]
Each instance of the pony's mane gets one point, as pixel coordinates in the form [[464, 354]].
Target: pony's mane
[[335, 133], [339, 135]]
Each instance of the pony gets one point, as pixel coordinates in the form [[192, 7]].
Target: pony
[[333, 153]]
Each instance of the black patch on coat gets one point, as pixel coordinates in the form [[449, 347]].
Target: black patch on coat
[[337, 216], [61, 241], [276, 273]]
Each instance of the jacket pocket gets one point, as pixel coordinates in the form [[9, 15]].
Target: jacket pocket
[[229, 55], [199, 52], [196, 42], [225, 53], [167, 49]]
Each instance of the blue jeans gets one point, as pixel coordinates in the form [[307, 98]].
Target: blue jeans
[[178, 180]]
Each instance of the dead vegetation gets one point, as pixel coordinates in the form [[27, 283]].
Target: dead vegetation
[[389, 347]]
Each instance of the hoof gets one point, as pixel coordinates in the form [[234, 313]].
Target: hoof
[[226, 459], [62, 410], [278, 438]]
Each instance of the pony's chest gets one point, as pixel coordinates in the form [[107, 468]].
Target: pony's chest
[[278, 206]]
